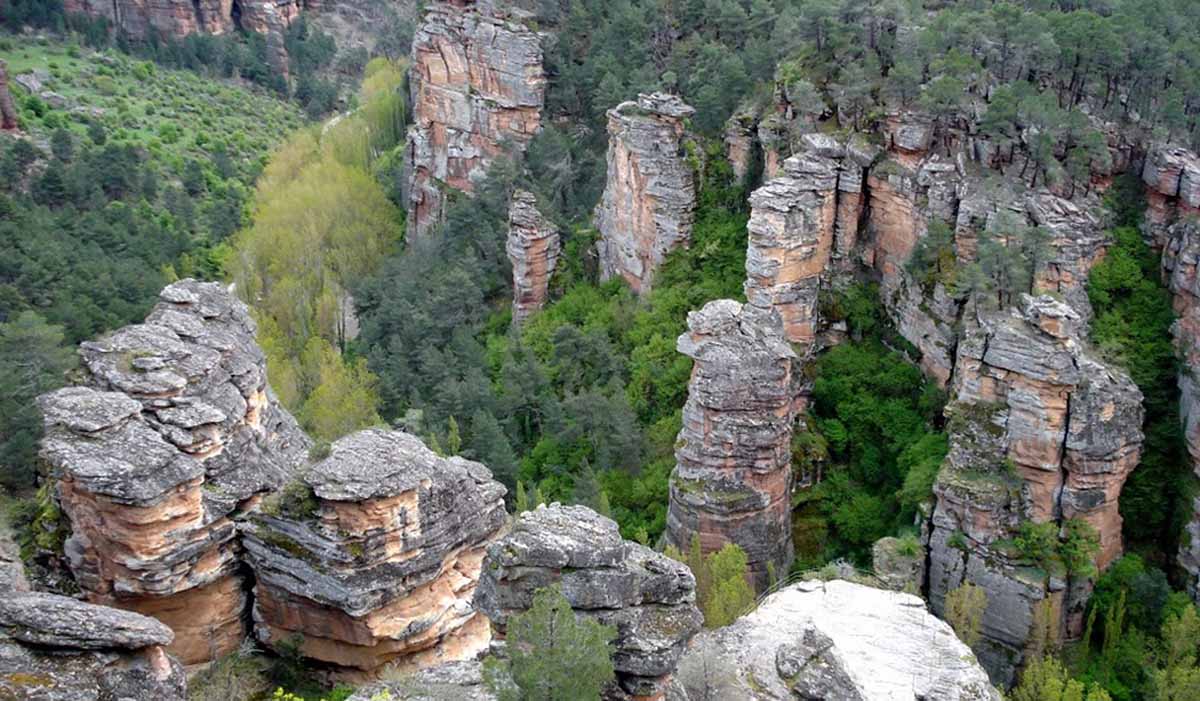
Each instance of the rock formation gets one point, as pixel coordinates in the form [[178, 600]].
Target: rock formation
[[8, 111], [533, 247], [899, 565], [460, 681], [649, 200], [478, 87], [174, 435], [648, 597], [1181, 256], [740, 143], [732, 479], [1172, 178], [1039, 430], [374, 555], [834, 641], [176, 19], [54, 648]]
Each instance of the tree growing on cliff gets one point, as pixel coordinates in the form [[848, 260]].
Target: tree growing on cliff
[[964, 611], [723, 591], [552, 654]]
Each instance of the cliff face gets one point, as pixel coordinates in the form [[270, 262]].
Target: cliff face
[[54, 648], [478, 88], [732, 478], [649, 200], [378, 565], [174, 436], [1172, 179], [646, 596], [1039, 430], [533, 247], [1180, 259], [834, 640]]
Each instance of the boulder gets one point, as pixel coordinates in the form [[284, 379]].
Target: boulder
[[834, 641], [54, 648], [173, 435], [732, 478], [649, 199], [648, 597], [374, 554]]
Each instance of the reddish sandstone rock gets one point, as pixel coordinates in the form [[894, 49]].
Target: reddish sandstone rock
[[732, 479], [533, 247], [478, 87], [174, 436], [1039, 430], [374, 556], [1172, 178], [649, 200]]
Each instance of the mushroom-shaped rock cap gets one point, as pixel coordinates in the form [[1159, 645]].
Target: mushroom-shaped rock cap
[[84, 410], [59, 621], [665, 104], [379, 462], [723, 325], [562, 536]]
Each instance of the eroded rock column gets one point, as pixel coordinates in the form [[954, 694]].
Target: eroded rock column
[[648, 597], [649, 201], [732, 478], [533, 247], [174, 436], [478, 87], [373, 557], [1040, 430]]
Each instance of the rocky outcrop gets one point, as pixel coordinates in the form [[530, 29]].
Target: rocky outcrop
[[373, 557], [175, 19], [649, 201], [741, 144], [1172, 178], [460, 681], [648, 597], [1181, 265], [732, 478], [533, 247], [8, 111], [478, 87], [172, 437], [54, 648], [899, 564], [834, 641], [1040, 430]]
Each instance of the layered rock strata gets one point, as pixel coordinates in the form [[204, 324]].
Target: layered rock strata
[[1039, 430], [478, 87], [1181, 258], [173, 436], [834, 641], [1172, 178], [533, 248], [732, 478], [373, 557], [648, 597], [649, 200], [54, 648]]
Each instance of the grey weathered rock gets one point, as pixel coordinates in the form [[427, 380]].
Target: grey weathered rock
[[1172, 178], [53, 648], [648, 597], [174, 434], [460, 681], [897, 568], [732, 479], [649, 201], [533, 247], [478, 87], [378, 564], [1039, 430], [834, 641]]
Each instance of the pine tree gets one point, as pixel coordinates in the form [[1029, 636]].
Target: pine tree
[[453, 437]]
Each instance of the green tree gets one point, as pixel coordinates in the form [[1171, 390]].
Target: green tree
[[553, 654], [1045, 679], [965, 605], [33, 360]]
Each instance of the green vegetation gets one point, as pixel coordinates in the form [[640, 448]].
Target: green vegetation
[[723, 592], [552, 654], [965, 605], [1044, 679], [1070, 553]]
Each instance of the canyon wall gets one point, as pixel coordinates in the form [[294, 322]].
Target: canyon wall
[[649, 201], [648, 597], [374, 555], [173, 436], [478, 88], [1042, 431], [732, 479], [533, 247]]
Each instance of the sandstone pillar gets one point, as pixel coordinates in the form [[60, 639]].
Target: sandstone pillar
[[533, 247]]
